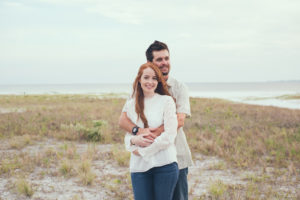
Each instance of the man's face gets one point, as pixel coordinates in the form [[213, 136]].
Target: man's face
[[161, 59]]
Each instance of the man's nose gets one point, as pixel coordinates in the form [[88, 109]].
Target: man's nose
[[165, 62]]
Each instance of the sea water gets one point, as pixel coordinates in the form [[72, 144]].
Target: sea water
[[260, 93]]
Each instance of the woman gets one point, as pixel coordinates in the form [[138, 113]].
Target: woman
[[154, 170]]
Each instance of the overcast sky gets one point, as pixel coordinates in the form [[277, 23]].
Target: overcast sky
[[104, 41]]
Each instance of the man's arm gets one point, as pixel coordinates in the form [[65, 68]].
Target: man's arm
[[180, 118], [143, 138], [126, 124]]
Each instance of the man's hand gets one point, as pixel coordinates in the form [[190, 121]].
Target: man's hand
[[147, 131], [157, 131], [142, 140]]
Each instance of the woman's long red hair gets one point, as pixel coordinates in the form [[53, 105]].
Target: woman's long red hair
[[138, 91]]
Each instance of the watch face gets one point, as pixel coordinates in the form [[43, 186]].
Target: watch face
[[135, 130]]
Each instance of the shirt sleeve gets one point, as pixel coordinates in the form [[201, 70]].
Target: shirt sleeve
[[183, 100], [168, 136], [129, 147], [125, 107]]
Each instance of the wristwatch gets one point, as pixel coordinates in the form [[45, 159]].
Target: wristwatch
[[135, 130]]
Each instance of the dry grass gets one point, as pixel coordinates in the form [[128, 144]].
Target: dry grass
[[67, 117], [244, 136], [24, 187], [85, 173], [289, 97], [66, 168], [118, 186], [19, 142], [217, 189], [120, 155]]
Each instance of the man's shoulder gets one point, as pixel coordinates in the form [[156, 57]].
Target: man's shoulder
[[176, 84]]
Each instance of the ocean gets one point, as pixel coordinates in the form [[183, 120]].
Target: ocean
[[261, 93]]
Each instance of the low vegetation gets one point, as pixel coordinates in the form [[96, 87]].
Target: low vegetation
[[24, 188], [244, 136]]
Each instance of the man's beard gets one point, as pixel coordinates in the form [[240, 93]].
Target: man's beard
[[166, 73]]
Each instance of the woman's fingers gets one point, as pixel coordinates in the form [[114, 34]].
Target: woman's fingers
[[148, 140], [136, 152], [149, 136]]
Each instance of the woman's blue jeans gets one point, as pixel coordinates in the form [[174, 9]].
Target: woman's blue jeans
[[157, 183]]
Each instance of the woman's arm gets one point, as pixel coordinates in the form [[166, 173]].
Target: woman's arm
[[132, 142], [167, 138]]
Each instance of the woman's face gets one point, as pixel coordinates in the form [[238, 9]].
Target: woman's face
[[148, 81]]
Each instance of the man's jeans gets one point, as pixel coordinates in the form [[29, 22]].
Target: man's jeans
[[157, 183], [181, 189]]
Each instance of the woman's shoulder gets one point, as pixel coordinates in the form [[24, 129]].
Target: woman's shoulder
[[166, 98], [130, 101]]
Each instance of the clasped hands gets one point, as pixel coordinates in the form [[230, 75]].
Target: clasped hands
[[145, 137]]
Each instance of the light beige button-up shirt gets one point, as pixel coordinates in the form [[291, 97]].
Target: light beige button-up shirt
[[180, 92]]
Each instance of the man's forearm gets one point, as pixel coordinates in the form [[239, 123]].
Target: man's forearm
[[125, 123], [180, 118]]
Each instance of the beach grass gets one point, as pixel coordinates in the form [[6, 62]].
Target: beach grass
[[244, 136], [282, 97], [289, 97], [24, 188]]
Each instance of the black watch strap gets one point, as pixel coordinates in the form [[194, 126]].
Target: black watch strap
[[135, 130]]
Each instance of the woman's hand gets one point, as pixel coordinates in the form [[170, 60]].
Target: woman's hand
[[136, 152], [142, 140], [148, 131]]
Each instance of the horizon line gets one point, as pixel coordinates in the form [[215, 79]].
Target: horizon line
[[116, 83]]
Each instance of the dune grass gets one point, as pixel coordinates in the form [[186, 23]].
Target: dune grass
[[282, 97], [67, 117], [245, 136], [24, 188], [289, 97]]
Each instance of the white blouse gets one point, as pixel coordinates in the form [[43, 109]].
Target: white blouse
[[159, 109]]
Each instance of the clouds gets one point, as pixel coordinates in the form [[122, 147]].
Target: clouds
[[12, 4], [134, 11], [203, 36]]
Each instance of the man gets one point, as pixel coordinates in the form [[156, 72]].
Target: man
[[158, 53]]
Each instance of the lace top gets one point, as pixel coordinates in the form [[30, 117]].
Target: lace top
[[159, 109]]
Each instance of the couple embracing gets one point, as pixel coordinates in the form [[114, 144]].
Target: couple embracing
[[153, 118]]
